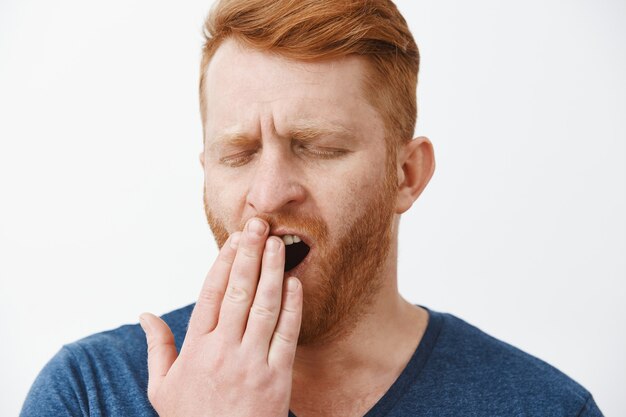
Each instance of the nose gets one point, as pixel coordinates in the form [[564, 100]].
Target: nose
[[276, 185]]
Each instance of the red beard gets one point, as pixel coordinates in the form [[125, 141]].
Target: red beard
[[342, 277]]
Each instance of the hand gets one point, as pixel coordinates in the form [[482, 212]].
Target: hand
[[238, 354]]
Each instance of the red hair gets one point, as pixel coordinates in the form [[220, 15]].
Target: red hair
[[310, 30]]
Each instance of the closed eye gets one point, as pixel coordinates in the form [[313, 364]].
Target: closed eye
[[238, 159], [319, 152]]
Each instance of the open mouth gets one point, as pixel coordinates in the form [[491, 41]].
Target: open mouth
[[295, 251]]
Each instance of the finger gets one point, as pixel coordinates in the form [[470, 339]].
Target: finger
[[244, 276], [267, 300], [161, 350], [285, 337], [206, 311]]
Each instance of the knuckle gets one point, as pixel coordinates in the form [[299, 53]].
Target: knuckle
[[273, 262], [285, 338], [218, 358], [276, 266], [225, 258], [263, 312], [211, 295], [222, 358], [289, 310], [256, 380], [237, 294], [155, 344], [249, 252], [269, 292]]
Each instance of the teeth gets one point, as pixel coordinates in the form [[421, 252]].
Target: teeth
[[291, 239]]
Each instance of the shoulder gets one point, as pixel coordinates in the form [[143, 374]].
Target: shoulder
[[104, 371], [466, 346], [123, 346], [470, 363], [129, 339]]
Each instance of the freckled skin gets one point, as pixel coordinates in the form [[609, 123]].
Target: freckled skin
[[262, 96], [294, 146]]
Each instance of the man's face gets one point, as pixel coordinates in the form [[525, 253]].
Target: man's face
[[298, 145]]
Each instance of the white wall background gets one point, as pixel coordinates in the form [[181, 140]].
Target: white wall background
[[521, 232]]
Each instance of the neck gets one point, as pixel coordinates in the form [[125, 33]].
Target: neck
[[392, 326], [377, 349]]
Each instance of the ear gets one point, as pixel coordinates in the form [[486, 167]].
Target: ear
[[202, 159], [416, 164]]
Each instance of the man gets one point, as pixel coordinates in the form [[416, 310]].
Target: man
[[308, 110]]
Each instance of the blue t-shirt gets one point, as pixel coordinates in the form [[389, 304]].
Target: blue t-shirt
[[457, 370]]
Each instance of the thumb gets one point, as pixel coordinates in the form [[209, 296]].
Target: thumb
[[161, 349]]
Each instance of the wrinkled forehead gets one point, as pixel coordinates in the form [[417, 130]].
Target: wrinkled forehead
[[243, 85]]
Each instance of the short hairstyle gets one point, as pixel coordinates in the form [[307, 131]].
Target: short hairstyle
[[310, 30]]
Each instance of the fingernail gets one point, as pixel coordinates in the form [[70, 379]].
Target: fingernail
[[257, 227], [272, 245], [234, 240], [292, 284], [144, 324]]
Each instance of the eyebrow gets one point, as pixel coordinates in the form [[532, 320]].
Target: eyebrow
[[302, 130], [232, 138], [307, 130]]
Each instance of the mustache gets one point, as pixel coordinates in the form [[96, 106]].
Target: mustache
[[313, 226]]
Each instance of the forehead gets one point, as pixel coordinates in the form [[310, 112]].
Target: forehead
[[243, 86]]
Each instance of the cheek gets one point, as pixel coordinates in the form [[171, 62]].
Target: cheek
[[224, 200], [344, 200]]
